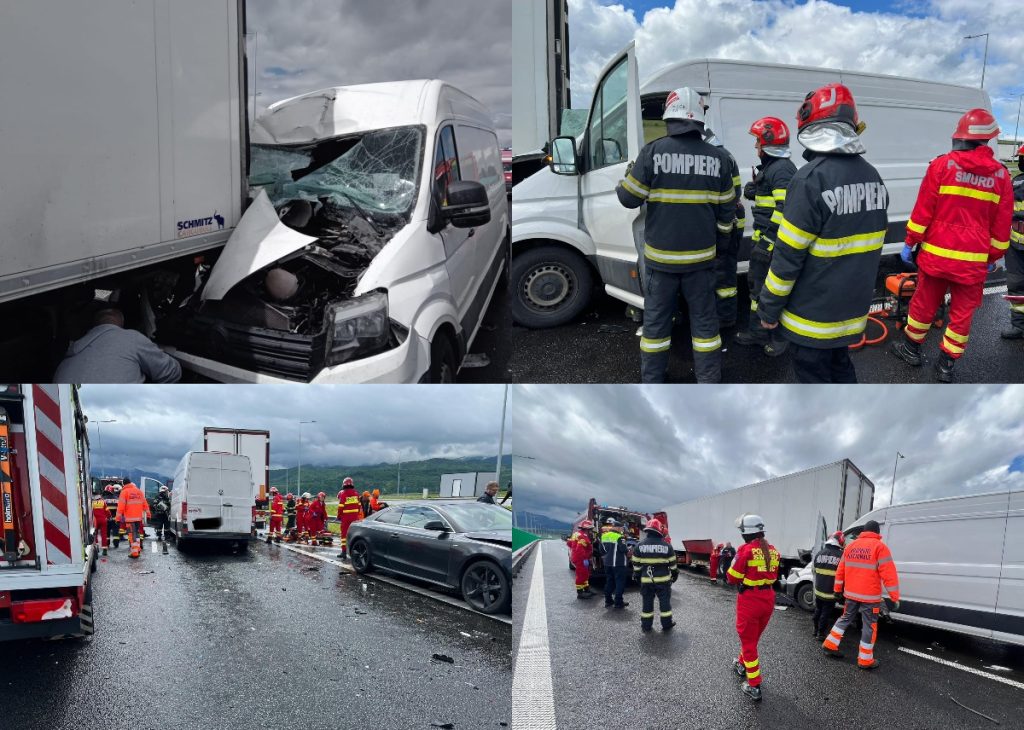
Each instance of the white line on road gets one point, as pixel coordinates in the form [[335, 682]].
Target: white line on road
[[1004, 680], [533, 702], [995, 290], [451, 601]]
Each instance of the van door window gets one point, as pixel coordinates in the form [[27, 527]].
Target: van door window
[[606, 137], [479, 158], [652, 107], [446, 164]]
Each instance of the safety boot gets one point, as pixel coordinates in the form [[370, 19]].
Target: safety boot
[[738, 668], [583, 594], [834, 653], [907, 351], [868, 667], [669, 627], [746, 338], [104, 551], [776, 347], [1012, 333], [622, 605], [753, 693], [944, 369]]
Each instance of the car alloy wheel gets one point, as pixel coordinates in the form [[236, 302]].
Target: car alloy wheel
[[360, 556], [483, 588]]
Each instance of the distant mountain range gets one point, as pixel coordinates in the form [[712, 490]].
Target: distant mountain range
[[533, 521], [135, 475]]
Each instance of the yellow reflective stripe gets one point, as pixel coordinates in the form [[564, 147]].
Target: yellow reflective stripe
[[754, 675], [824, 571], [951, 346], [1016, 237], [954, 336], [948, 253], [726, 292], [662, 579], [736, 180], [918, 325], [1018, 205], [1000, 245], [795, 237], [819, 594], [636, 183], [822, 330], [670, 195], [778, 287], [757, 236], [860, 243], [724, 227], [764, 201], [915, 227], [751, 665], [968, 193], [734, 573], [753, 305], [779, 193], [706, 344], [634, 188], [1017, 308], [664, 614], [757, 581], [661, 345], [777, 217], [678, 257]]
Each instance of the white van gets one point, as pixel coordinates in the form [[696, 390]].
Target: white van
[[568, 228], [377, 237], [960, 562], [213, 498]]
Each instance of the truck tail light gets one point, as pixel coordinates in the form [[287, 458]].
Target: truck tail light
[[43, 609], [184, 516]]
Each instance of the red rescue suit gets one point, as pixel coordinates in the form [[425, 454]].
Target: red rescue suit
[[960, 225], [99, 519], [713, 570], [349, 511], [301, 509], [755, 573], [581, 550], [276, 514], [315, 517]]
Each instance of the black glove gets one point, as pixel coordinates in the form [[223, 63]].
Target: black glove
[[748, 190], [675, 575]]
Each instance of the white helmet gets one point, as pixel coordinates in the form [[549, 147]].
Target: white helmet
[[750, 524], [685, 103], [307, 495]]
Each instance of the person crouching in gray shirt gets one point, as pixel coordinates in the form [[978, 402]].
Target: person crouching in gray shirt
[[109, 353]]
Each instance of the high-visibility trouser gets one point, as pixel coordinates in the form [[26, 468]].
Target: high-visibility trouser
[[1015, 283], [348, 516], [582, 577], [663, 289], [964, 300], [754, 610], [868, 631], [725, 276], [664, 593], [103, 533], [760, 260], [275, 523], [134, 532]]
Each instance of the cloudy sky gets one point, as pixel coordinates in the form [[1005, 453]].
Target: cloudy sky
[[918, 38], [355, 424], [648, 447], [304, 45]]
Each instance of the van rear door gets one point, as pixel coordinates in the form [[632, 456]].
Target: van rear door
[[219, 493]]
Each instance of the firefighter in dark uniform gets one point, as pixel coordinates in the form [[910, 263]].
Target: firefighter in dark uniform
[[687, 185], [822, 275], [1015, 256], [825, 563], [725, 262], [768, 191], [654, 563]]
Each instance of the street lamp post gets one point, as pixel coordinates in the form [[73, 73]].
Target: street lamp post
[[99, 441], [399, 487], [501, 440], [984, 61], [892, 489], [1017, 126], [298, 478]]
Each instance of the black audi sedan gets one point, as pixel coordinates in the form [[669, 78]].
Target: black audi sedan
[[463, 545]]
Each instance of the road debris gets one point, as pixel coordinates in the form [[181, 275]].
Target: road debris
[[443, 658], [979, 714]]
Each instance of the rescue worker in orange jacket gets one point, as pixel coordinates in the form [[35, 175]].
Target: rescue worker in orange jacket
[[276, 509], [960, 227], [754, 570], [375, 504], [132, 507], [301, 511], [364, 503], [713, 568], [316, 515], [865, 569], [99, 519], [581, 553], [349, 511]]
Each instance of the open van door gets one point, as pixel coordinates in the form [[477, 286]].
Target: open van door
[[613, 137]]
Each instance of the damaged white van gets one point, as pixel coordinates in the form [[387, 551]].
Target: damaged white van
[[377, 236]]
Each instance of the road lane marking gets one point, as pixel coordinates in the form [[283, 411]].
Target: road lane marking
[[995, 290], [450, 600], [533, 703], [972, 670]]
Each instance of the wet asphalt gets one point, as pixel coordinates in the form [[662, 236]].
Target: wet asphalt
[[605, 670], [601, 346], [266, 638]]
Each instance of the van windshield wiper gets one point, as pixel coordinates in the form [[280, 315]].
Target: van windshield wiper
[[362, 212]]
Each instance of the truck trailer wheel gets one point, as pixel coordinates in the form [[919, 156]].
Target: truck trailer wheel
[[805, 597], [550, 286]]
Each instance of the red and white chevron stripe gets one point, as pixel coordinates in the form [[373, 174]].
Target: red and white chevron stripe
[[52, 479]]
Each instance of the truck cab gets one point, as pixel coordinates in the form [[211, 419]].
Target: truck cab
[[633, 523]]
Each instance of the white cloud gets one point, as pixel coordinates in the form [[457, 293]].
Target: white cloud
[[925, 42]]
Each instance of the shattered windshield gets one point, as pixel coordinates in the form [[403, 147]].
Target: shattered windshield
[[377, 171]]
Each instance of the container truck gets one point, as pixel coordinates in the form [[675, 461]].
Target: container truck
[[799, 510], [47, 550], [250, 443]]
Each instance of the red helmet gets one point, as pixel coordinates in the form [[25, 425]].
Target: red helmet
[[321, 495], [348, 482], [289, 496], [770, 131], [830, 102], [1021, 150], [109, 489], [976, 124], [655, 525], [586, 525], [839, 537]]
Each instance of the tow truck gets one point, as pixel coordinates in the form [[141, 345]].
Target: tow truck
[[633, 523]]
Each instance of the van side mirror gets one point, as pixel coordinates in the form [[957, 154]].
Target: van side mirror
[[468, 205], [563, 156]]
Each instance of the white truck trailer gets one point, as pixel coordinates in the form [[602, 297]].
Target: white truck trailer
[[48, 553], [247, 442], [799, 510]]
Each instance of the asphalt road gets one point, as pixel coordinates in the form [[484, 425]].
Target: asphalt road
[[605, 672], [602, 347], [494, 340], [268, 638]]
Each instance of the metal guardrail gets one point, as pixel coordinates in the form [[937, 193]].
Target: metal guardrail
[[519, 556]]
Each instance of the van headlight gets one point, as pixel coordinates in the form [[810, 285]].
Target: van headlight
[[357, 327]]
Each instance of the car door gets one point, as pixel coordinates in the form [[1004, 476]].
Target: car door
[[614, 137], [382, 532], [418, 552], [459, 251]]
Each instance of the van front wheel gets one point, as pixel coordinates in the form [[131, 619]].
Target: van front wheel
[[551, 286], [442, 359]]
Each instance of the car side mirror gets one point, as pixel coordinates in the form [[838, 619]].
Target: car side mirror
[[468, 205], [435, 526], [563, 156]]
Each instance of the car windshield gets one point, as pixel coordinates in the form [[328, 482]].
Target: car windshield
[[376, 171], [479, 517]]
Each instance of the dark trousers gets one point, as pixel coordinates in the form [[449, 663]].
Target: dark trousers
[[725, 278], [660, 297], [813, 365], [760, 259], [647, 593], [824, 614], [161, 523], [615, 582], [1015, 283]]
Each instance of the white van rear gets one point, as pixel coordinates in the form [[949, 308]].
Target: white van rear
[[569, 229], [213, 497]]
